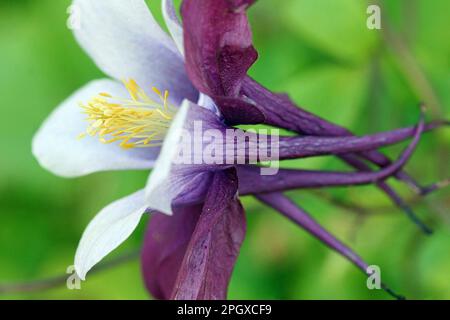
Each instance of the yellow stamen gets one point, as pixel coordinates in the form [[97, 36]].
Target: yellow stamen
[[136, 122]]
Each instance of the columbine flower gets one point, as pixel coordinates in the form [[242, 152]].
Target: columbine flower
[[141, 122], [109, 125]]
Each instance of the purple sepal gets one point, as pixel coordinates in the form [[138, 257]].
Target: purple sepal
[[212, 252], [165, 244], [218, 45], [285, 206], [296, 214]]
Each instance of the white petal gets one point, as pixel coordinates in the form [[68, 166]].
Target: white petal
[[110, 228], [159, 194], [173, 24], [58, 149], [125, 41]]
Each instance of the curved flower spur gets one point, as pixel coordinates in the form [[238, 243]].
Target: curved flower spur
[[141, 123]]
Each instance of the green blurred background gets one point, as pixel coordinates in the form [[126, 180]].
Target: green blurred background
[[322, 54]]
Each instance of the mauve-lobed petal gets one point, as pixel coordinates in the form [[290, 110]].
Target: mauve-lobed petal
[[208, 103], [218, 45], [167, 180], [212, 252], [58, 149], [110, 227], [165, 244], [125, 41], [186, 183]]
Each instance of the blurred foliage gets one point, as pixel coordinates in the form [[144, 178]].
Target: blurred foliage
[[318, 51]]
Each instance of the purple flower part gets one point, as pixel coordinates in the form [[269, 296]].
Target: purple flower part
[[398, 201], [435, 186], [310, 146], [185, 183], [172, 180], [165, 244], [281, 111], [299, 216], [218, 45], [289, 209], [252, 182], [182, 175], [212, 252], [240, 5], [239, 111], [276, 110]]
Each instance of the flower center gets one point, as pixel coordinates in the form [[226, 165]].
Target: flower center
[[137, 122]]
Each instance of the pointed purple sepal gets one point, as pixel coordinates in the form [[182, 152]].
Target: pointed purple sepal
[[212, 252]]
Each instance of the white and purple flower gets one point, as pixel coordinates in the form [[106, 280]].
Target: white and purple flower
[[158, 87]]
